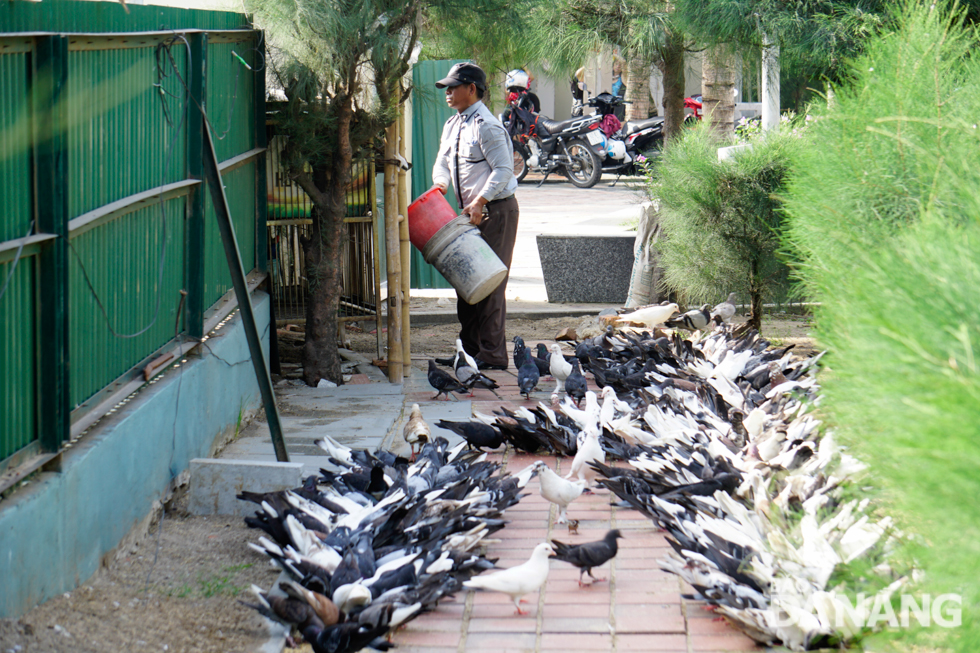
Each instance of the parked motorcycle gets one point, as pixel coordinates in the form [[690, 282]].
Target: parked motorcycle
[[626, 143], [694, 103], [571, 147]]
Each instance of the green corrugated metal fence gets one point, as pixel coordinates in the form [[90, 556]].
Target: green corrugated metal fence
[[100, 150], [429, 113]]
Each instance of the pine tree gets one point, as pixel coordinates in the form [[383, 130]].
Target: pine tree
[[342, 67]]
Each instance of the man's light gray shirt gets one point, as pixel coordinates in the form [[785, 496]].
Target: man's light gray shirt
[[486, 156]]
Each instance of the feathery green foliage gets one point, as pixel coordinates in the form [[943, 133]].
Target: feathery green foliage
[[342, 66], [572, 31], [816, 37], [885, 215], [496, 35], [721, 222]]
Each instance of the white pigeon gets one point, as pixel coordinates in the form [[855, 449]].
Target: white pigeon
[[337, 451], [350, 596], [649, 316], [470, 361], [517, 581], [557, 490], [416, 431], [588, 451], [725, 311], [559, 367]]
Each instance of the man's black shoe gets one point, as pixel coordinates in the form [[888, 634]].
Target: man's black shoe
[[448, 362], [483, 365]]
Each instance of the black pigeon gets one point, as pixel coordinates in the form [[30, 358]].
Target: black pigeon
[[476, 434], [519, 349], [443, 382], [543, 360], [350, 636], [528, 375], [576, 384], [543, 352], [588, 555]]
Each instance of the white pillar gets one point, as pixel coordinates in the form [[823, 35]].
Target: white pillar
[[770, 84]]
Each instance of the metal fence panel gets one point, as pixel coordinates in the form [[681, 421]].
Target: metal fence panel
[[240, 189], [73, 16], [124, 259], [230, 109], [15, 154], [122, 132], [18, 403], [231, 114], [18, 407]]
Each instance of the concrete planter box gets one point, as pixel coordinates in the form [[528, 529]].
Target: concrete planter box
[[586, 269]]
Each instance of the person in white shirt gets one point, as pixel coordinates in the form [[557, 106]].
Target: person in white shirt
[[476, 160]]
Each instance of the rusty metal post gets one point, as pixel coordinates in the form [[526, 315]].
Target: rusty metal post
[[406, 245], [393, 251]]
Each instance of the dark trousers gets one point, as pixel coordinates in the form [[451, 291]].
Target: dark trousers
[[482, 324]]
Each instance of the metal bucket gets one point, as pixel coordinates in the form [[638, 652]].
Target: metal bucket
[[461, 255]]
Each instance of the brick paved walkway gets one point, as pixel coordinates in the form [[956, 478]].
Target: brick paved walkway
[[639, 607]]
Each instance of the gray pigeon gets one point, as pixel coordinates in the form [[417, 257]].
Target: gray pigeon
[[588, 555], [576, 384], [725, 311], [528, 375], [694, 320], [442, 382], [470, 377]]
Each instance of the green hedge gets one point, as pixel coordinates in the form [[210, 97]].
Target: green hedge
[[885, 217]]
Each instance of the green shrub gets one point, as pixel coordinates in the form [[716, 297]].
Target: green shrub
[[721, 222], [885, 217]]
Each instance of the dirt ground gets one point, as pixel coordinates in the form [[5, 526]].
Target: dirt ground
[[177, 589], [174, 591]]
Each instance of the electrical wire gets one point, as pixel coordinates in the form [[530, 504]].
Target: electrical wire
[[20, 248], [168, 157]]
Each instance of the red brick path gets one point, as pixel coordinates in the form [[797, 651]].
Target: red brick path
[[639, 607]]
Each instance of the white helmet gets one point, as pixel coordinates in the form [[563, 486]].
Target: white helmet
[[519, 78]]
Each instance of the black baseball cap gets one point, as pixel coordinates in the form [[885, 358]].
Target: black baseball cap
[[464, 73]]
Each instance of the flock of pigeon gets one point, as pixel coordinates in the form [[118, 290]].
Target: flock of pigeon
[[366, 549], [370, 547], [723, 454]]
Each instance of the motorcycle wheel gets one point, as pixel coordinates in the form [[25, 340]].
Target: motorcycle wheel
[[586, 168], [520, 164]]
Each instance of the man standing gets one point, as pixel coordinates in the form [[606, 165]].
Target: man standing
[[476, 158]]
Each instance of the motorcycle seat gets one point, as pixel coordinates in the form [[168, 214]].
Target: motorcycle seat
[[546, 126], [639, 125]]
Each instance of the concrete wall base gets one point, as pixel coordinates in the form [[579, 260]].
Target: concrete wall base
[[55, 532]]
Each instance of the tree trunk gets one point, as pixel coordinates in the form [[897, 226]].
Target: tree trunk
[[323, 259], [672, 68], [638, 89], [755, 297], [717, 89], [328, 189]]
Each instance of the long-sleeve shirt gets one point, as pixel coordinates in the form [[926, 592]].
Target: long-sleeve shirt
[[484, 157]]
